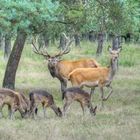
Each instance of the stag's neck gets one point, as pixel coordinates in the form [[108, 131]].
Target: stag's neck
[[112, 70]]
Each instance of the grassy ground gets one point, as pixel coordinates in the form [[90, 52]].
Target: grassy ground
[[119, 120]]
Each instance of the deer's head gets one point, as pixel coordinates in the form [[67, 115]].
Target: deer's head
[[114, 54]]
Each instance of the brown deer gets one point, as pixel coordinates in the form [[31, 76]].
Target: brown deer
[[77, 94], [45, 99], [61, 68], [14, 101], [96, 77]]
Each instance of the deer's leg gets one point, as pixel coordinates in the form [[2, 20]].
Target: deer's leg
[[92, 90], [102, 96], [44, 111], [83, 107], [66, 106], [108, 94], [11, 112], [1, 112], [1, 106], [63, 84]]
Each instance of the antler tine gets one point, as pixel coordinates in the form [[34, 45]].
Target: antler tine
[[38, 52], [67, 48]]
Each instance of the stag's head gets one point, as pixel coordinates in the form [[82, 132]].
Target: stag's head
[[54, 59]]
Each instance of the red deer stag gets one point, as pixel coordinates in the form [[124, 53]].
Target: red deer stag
[[77, 94], [61, 68], [96, 77]]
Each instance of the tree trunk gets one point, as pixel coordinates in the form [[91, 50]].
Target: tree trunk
[[1, 41], [62, 42], [116, 42], [7, 47], [13, 61], [77, 40], [46, 40], [92, 36], [100, 44]]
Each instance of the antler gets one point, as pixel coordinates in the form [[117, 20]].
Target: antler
[[45, 54], [67, 48]]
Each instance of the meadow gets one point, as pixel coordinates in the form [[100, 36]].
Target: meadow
[[119, 120]]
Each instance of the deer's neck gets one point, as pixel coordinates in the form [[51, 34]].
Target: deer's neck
[[113, 69]]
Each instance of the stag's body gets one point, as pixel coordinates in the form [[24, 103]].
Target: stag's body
[[96, 77], [62, 68], [77, 94], [14, 101], [45, 99]]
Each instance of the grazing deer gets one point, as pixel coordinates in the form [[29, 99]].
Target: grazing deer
[[77, 94], [96, 77], [14, 101], [42, 97], [61, 68]]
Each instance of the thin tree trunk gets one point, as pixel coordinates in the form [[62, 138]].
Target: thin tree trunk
[[1, 41], [62, 43], [77, 40], [100, 44], [92, 36], [46, 40], [116, 42], [13, 61], [7, 47]]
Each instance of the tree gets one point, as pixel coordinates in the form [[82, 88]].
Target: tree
[[24, 17]]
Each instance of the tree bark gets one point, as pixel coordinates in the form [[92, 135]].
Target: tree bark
[[92, 36], [1, 41], [62, 42], [13, 61], [77, 40], [116, 42], [100, 44], [7, 47], [46, 40]]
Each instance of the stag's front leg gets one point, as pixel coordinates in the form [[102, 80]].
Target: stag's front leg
[[63, 84]]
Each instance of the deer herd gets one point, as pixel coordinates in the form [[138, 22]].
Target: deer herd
[[81, 73]]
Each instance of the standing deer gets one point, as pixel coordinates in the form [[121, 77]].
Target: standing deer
[[96, 77], [77, 94], [61, 68]]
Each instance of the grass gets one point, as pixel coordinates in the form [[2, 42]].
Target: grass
[[120, 119]]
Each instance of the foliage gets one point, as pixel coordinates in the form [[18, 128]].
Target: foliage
[[31, 16], [114, 16]]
